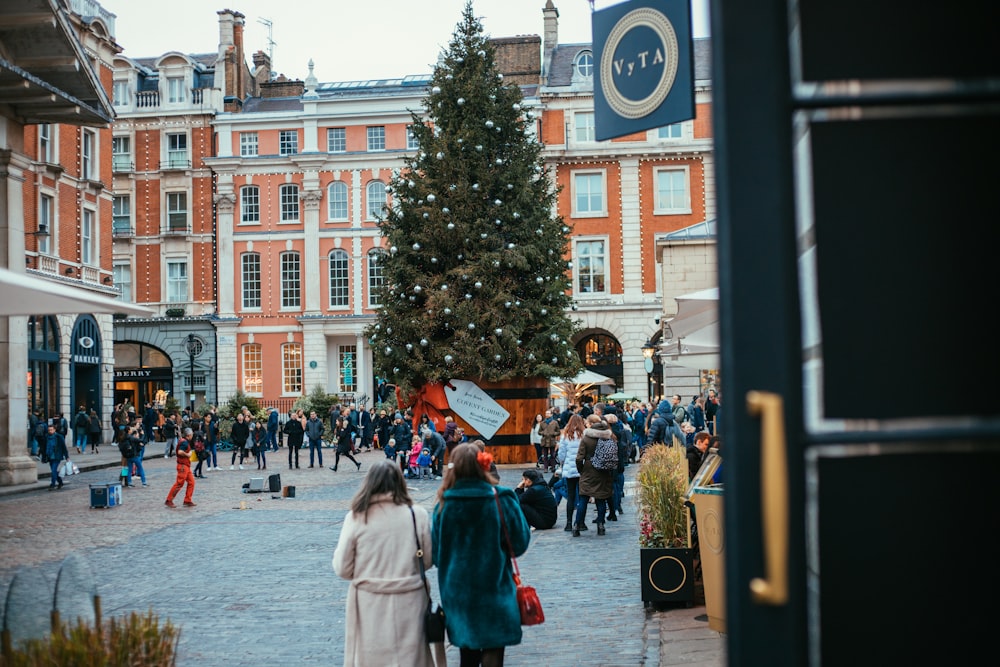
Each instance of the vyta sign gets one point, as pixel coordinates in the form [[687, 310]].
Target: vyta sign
[[645, 66]]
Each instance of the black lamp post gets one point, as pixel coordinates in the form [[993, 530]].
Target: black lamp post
[[648, 352], [192, 348]]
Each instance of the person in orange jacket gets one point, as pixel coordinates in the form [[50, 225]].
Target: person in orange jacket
[[184, 474]]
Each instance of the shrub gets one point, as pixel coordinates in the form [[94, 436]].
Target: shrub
[[661, 484], [231, 407], [317, 400]]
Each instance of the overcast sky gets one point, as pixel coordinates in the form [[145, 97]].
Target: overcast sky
[[346, 39]]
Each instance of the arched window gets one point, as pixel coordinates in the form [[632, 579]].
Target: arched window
[[375, 276], [584, 64], [375, 199], [43, 365], [340, 295], [337, 201]]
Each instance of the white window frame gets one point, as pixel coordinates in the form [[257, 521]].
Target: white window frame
[[291, 369], [120, 94], [248, 144], [583, 64], [121, 275], [88, 156], [672, 131], [45, 142], [336, 202], [665, 202], [376, 276], [375, 199], [336, 140], [288, 198], [176, 208], [177, 281], [177, 150], [583, 127], [175, 90], [376, 138], [411, 140], [121, 153], [250, 281], [339, 282], [88, 233], [591, 176], [250, 205], [253, 369], [46, 221], [585, 266], [291, 280], [121, 212], [288, 142]]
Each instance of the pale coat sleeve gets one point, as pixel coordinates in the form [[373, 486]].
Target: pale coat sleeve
[[343, 555]]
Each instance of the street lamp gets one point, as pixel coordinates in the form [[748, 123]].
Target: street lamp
[[648, 352], [193, 347]]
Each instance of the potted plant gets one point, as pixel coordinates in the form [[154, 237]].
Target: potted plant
[[666, 556]]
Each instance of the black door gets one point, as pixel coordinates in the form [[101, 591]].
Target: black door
[[857, 147]]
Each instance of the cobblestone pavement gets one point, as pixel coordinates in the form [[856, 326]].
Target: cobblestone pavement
[[256, 585]]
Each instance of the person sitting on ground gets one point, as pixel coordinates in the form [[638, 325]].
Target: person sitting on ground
[[537, 501]]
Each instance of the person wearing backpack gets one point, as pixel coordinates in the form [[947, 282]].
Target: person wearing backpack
[[596, 466], [81, 422]]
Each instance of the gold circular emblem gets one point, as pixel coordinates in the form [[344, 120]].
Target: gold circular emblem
[[658, 23]]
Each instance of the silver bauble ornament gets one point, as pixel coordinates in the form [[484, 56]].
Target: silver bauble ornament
[[434, 260], [448, 358], [447, 311], [418, 289], [437, 89], [451, 225], [460, 101], [479, 147], [416, 246], [475, 187], [497, 357], [431, 197], [409, 347], [478, 285], [498, 331], [393, 250], [544, 311], [489, 123], [539, 280], [516, 106], [446, 210], [423, 342], [508, 304], [472, 325]]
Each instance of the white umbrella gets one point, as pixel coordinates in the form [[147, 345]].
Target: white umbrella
[[694, 331], [584, 381], [695, 311], [28, 295]]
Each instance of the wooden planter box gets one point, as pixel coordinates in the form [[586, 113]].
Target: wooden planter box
[[667, 575]]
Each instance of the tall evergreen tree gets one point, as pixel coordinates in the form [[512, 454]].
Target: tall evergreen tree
[[476, 282]]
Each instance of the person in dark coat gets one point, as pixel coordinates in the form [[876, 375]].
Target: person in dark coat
[[94, 432], [435, 444], [343, 434], [696, 452], [383, 427], [475, 576], [594, 483], [295, 430], [537, 501]]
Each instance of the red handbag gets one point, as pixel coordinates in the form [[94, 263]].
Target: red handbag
[[527, 598]]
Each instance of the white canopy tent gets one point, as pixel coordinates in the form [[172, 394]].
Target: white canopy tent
[[583, 382], [691, 338], [24, 294]]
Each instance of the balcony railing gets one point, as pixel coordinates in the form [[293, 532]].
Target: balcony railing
[[122, 163], [177, 226], [91, 274], [147, 98], [48, 264], [122, 227], [176, 162]]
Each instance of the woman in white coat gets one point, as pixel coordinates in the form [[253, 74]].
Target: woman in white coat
[[377, 553]]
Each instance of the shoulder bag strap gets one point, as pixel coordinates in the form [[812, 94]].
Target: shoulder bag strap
[[420, 552], [506, 537]]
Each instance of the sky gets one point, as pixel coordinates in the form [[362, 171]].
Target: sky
[[346, 39]]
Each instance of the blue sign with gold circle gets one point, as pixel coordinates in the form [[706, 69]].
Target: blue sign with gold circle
[[645, 66]]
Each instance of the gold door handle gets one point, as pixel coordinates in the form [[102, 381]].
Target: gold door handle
[[772, 590]]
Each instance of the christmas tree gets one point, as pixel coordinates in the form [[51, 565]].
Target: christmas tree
[[476, 280]]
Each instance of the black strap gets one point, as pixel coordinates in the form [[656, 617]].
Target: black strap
[[510, 549], [420, 553]]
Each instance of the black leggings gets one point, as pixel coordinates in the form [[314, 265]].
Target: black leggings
[[336, 459], [572, 486], [485, 657]]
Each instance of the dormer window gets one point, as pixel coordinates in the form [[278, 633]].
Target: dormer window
[[584, 64]]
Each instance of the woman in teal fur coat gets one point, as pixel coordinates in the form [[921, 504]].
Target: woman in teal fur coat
[[475, 576]]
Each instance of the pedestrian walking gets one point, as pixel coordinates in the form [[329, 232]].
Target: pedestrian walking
[[344, 437], [594, 482], [81, 422], [55, 452], [94, 432], [375, 552]]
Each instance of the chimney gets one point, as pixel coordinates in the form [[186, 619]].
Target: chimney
[[261, 68], [550, 40]]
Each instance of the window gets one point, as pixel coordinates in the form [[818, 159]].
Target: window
[[336, 140], [289, 195], [120, 93], [253, 369], [590, 272], [249, 204], [411, 139], [175, 89], [87, 155], [588, 193], [671, 191], [291, 368], [250, 272], [122, 275], [672, 131], [45, 143], [177, 213], [121, 153], [584, 122], [87, 231], [339, 280], [585, 64], [347, 367], [248, 144], [376, 138], [375, 276], [121, 214], [337, 200], [45, 211], [291, 280], [288, 142], [376, 199], [177, 154], [177, 282]]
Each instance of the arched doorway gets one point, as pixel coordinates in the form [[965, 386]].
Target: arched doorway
[[143, 373], [43, 365], [602, 353], [85, 365]]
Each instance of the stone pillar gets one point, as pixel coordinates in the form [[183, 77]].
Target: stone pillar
[[311, 265]]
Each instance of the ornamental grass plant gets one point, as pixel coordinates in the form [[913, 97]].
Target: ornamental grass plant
[[661, 483]]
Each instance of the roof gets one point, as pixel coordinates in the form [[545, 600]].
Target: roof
[[705, 230]]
